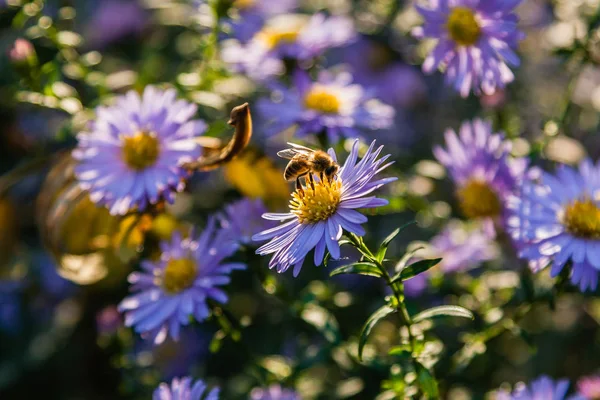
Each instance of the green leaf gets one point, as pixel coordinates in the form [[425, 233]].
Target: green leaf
[[370, 324], [415, 269], [427, 382], [326, 259], [443, 311], [361, 268], [386, 242], [405, 259]]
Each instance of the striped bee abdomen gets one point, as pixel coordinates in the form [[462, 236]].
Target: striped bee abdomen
[[295, 168]]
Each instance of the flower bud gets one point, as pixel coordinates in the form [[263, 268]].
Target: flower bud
[[23, 55]]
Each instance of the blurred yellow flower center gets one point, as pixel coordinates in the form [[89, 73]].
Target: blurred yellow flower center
[[244, 3], [314, 205], [463, 26], [321, 100], [141, 150], [581, 218], [477, 199], [274, 37], [179, 275]]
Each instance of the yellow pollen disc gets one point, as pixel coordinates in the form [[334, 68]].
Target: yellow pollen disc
[[274, 37], [179, 275], [463, 26], [318, 98], [316, 205], [477, 199], [141, 150], [581, 218]]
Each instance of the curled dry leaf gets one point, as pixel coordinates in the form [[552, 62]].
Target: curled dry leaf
[[215, 154]]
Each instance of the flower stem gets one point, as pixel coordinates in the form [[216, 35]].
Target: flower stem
[[396, 287]]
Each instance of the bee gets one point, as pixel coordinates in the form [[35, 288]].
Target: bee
[[306, 162]]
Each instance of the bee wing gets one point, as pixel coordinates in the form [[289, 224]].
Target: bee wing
[[300, 148], [287, 153], [294, 151]]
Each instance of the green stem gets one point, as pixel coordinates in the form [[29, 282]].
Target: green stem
[[397, 289]]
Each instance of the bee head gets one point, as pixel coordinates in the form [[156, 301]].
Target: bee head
[[331, 171]]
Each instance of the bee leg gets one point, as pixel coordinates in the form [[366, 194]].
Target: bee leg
[[299, 187], [321, 176], [311, 181]]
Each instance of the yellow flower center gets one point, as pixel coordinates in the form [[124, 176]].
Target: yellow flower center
[[463, 26], [274, 37], [581, 218], [242, 4], [141, 150], [319, 99], [477, 199], [179, 275], [314, 205]]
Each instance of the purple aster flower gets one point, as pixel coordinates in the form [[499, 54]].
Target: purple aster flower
[[588, 388], [331, 105], [273, 392], [556, 219], [183, 389], [177, 286], [481, 167], [287, 36], [319, 214], [113, 20], [543, 388], [475, 42], [133, 154], [243, 218], [254, 13]]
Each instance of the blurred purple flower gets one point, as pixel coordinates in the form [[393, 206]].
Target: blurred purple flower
[[332, 105], [133, 154], [243, 218], [273, 392], [319, 215], [108, 320], [113, 20], [177, 286], [373, 66], [543, 388], [182, 389], [476, 42], [10, 305], [588, 388], [556, 219], [287, 36], [463, 246], [415, 286], [482, 169], [254, 13]]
